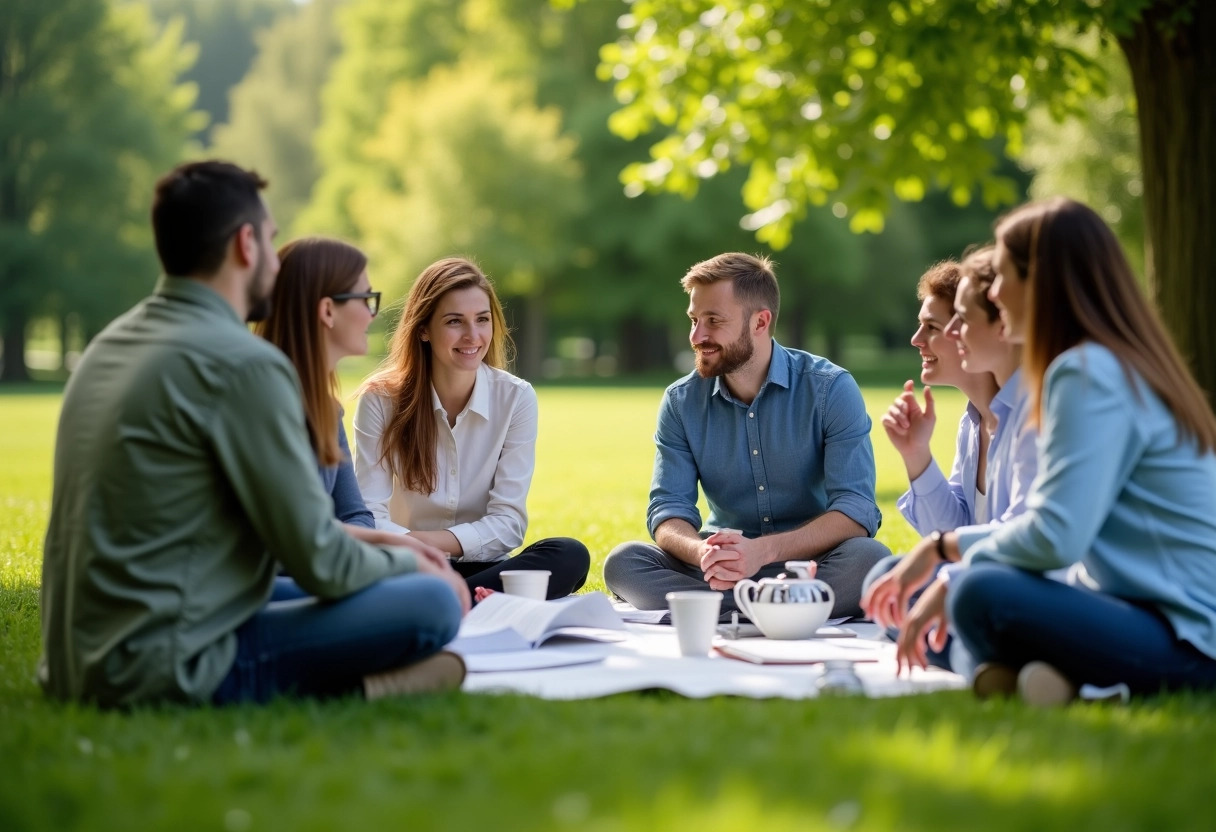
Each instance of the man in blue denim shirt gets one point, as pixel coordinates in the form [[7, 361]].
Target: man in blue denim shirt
[[779, 441]]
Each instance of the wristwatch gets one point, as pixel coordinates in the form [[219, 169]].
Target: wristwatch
[[939, 540]]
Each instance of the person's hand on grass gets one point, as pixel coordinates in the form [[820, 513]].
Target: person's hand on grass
[[926, 625], [886, 602]]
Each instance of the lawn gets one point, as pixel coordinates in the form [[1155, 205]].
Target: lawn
[[638, 761]]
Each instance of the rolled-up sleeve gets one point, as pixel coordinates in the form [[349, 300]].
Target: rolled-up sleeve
[[506, 519], [673, 487], [260, 440], [848, 456], [374, 477]]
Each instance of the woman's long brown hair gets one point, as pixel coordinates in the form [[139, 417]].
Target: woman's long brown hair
[[312, 268], [404, 378], [1079, 287]]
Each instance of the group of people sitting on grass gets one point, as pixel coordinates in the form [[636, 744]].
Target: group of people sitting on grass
[[213, 539]]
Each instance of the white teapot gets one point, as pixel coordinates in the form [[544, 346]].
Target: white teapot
[[784, 607]]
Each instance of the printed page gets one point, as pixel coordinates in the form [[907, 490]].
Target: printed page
[[532, 620]]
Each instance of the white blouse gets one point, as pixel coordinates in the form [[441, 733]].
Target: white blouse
[[485, 466]]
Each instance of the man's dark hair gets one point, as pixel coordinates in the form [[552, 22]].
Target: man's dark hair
[[754, 283], [197, 208]]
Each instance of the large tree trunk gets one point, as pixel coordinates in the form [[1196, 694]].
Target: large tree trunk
[[642, 345], [528, 332], [15, 321], [1174, 73]]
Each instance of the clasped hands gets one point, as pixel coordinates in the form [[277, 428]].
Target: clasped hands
[[728, 557], [925, 625]]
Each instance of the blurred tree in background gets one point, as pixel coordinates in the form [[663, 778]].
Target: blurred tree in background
[[276, 108], [856, 102], [91, 112], [225, 32]]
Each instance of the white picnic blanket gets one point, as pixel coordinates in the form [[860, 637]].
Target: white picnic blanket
[[649, 657]]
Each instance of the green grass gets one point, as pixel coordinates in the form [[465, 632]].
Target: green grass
[[638, 761]]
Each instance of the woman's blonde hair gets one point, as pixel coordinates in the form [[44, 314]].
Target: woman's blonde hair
[[1079, 287], [408, 442], [312, 268]]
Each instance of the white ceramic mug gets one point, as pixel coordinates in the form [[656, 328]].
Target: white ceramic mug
[[791, 619]]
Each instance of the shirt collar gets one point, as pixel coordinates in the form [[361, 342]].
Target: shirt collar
[[479, 402], [196, 292], [1007, 397], [778, 372]]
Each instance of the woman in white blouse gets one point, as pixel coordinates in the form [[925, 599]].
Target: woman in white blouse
[[445, 437]]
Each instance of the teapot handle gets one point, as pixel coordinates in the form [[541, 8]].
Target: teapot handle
[[743, 591], [826, 589]]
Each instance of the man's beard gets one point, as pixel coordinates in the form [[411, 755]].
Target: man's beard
[[257, 298], [728, 359]]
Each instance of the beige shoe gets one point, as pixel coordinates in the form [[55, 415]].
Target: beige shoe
[[1043, 686], [994, 679], [440, 672]]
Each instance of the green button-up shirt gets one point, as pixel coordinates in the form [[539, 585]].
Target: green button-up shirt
[[183, 471]]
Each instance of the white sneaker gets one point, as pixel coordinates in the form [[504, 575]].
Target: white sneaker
[[1043, 686]]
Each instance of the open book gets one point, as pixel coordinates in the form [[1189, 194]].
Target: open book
[[805, 651], [508, 622]]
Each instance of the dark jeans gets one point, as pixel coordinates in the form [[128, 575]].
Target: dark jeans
[[298, 645], [567, 560], [643, 574], [1007, 615]]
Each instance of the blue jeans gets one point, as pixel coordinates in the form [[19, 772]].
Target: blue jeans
[[1007, 615], [298, 645], [643, 574]]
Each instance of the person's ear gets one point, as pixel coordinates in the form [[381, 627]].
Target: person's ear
[[424, 335], [246, 245], [325, 312], [764, 320]]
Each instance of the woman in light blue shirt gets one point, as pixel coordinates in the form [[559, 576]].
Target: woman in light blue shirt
[[1126, 491]]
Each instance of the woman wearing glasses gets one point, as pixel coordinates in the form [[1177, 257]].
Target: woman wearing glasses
[[445, 437], [321, 309]]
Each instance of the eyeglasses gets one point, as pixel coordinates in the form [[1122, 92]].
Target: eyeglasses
[[372, 299]]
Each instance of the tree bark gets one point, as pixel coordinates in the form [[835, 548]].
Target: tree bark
[[528, 332], [15, 322], [1174, 74]]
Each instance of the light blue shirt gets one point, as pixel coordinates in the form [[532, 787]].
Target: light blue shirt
[[800, 449], [933, 502], [1120, 493], [1013, 460]]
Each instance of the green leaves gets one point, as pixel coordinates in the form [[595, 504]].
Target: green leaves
[[855, 101]]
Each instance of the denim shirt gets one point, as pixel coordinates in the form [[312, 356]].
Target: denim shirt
[[1119, 491], [339, 482], [800, 449]]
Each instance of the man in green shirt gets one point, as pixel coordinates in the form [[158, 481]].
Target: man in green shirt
[[183, 476]]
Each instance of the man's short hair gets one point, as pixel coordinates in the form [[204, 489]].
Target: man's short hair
[[197, 208], [940, 282], [752, 277]]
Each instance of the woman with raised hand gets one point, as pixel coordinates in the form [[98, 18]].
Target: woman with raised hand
[[1126, 493], [932, 501], [1001, 473], [446, 438]]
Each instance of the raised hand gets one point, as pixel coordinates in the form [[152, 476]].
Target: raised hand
[[909, 427]]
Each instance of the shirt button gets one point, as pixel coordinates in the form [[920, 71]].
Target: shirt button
[[755, 452], [453, 472], [765, 519], [751, 415], [762, 488]]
